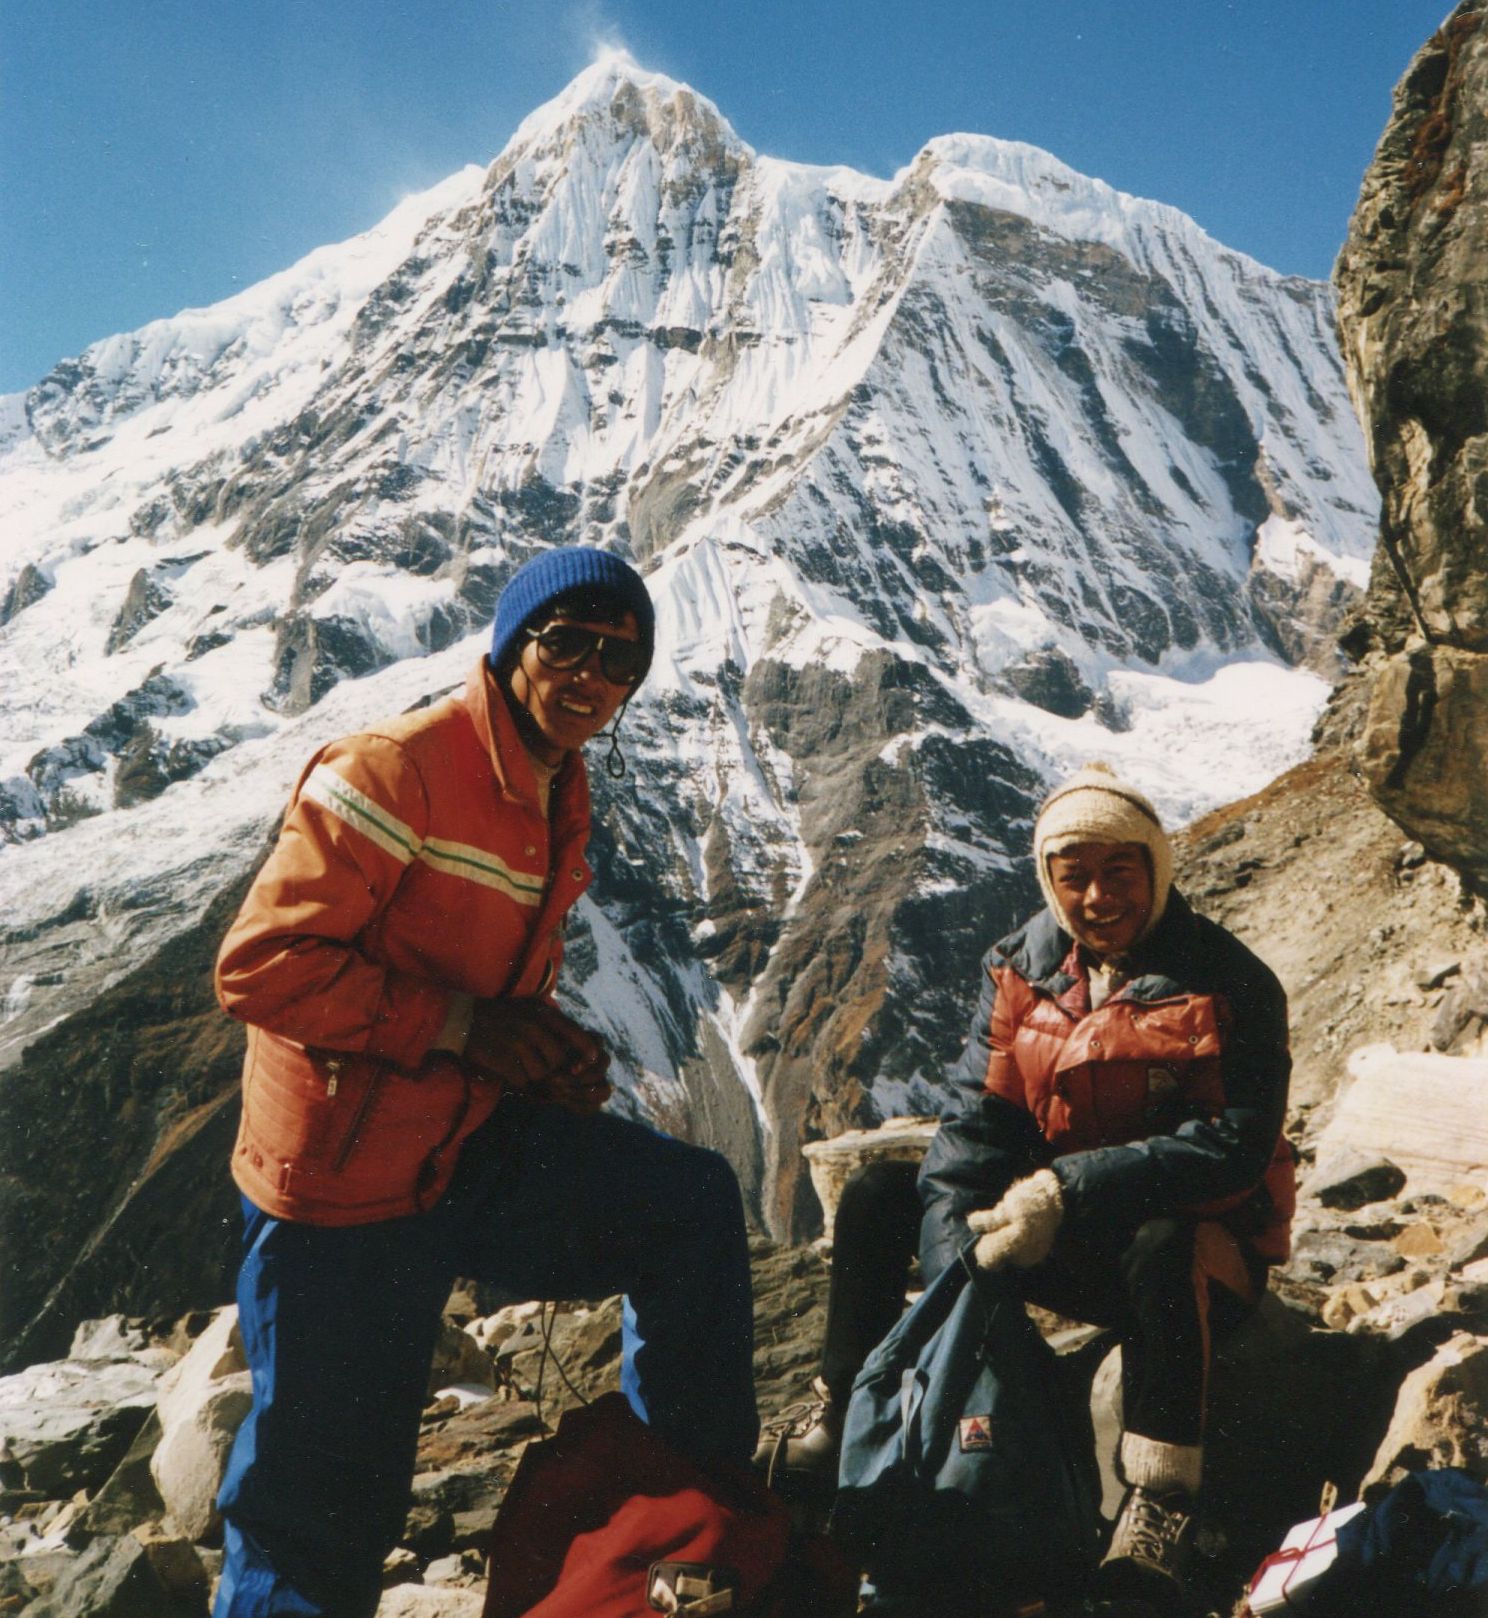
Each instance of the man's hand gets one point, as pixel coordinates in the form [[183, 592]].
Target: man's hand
[[530, 1046], [1021, 1229]]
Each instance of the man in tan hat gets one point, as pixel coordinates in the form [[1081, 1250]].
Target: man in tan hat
[[1114, 1141], [1116, 1137]]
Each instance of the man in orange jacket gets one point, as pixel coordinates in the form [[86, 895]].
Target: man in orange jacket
[[417, 1107]]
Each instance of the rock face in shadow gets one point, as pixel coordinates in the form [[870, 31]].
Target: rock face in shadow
[[116, 1129], [1413, 316]]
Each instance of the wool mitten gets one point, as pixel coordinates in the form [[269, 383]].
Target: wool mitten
[[1021, 1229]]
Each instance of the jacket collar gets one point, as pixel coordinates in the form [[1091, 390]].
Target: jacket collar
[[512, 764], [1161, 965]]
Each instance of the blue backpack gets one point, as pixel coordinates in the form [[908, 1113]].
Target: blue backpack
[[968, 1473]]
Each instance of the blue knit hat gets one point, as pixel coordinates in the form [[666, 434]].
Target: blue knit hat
[[538, 583]]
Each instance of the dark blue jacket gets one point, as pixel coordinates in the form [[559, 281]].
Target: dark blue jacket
[[1201, 1021]]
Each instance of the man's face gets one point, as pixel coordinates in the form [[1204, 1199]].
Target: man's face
[[1105, 891], [570, 706]]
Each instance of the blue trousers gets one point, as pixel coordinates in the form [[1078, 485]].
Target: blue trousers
[[340, 1324]]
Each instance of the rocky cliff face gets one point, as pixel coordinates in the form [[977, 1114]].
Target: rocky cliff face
[[1413, 313], [942, 483]]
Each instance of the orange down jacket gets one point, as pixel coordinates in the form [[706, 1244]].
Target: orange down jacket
[[413, 863], [1168, 1099]]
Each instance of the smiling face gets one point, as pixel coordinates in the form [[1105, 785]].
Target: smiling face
[[1105, 892], [568, 707]]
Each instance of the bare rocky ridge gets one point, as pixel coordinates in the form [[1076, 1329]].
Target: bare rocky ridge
[[1411, 284]]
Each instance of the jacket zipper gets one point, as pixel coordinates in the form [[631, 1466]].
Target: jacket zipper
[[358, 1118]]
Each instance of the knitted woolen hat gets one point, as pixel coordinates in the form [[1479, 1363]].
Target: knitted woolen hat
[[1096, 806], [538, 583]]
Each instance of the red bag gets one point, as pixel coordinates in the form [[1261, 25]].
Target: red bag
[[606, 1520]]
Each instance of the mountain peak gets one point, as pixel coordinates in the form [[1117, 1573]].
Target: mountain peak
[[615, 84], [1027, 180]]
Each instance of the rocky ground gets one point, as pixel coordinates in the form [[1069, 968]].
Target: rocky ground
[[111, 1457]]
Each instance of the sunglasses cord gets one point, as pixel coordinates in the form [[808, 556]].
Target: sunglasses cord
[[615, 760]]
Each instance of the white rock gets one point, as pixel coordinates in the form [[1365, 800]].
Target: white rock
[[468, 1393], [493, 1330], [115, 1337], [834, 1162], [1391, 1315], [202, 1401], [431, 1601], [1431, 1109], [444, 1569]]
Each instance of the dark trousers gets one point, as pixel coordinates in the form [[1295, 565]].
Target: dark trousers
[[340, 1324], [1166, 1289]]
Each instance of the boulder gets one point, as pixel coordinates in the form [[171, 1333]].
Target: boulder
[[1463, 1013], [112, 1578], [129, 1497], [202, 1401], [834, 1162], [66, 1424], [115, 1337], [1440, 1417], [1432, 1109]]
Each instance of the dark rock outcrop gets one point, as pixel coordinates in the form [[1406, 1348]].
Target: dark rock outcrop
[[140, 1215], [1413, 315]]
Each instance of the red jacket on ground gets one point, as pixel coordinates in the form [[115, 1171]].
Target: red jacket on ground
[[413, 864]]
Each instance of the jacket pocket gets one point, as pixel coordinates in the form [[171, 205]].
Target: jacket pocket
[[308, 1109]]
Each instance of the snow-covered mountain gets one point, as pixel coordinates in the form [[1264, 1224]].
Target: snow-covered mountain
[[943, 484]]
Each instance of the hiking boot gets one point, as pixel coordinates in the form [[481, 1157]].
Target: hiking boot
[[799, 1448], [1150, 1547]]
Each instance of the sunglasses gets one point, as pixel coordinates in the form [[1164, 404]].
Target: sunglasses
[[563, 646]]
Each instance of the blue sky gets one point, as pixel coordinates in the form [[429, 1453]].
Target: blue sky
[[159, 155]]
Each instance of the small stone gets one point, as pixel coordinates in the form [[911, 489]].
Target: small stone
[[1376, 1230], [1419, 1241], [175, 1561], [446, 1570], [459, 1358], [429, 1528], [1467, 1298], [1468, 1195], [1347, 1303], [1410, 856], [1435, 975], [1348, 1181], [400, 1566], [1469, 1245]]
